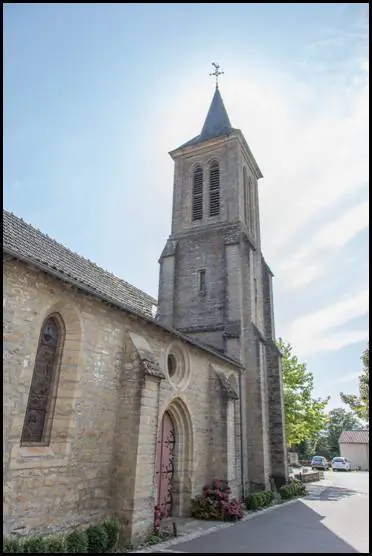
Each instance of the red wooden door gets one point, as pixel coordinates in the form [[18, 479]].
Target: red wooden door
[[164, 464]]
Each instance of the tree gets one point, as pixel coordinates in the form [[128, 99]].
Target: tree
[[339, 420], [305, 417], [360, 404]]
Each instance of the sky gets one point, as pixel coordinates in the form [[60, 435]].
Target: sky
[[96, 95]]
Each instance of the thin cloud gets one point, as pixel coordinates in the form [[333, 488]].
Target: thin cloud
[[314, 332], [348, 378], [300, 269]]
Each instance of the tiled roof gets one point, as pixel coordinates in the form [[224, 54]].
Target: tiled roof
[[22, 240], [354, 437]]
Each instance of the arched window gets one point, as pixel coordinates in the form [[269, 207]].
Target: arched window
[[197, 194], [245, 196], [251, 206], [41, 400], [214, 189]]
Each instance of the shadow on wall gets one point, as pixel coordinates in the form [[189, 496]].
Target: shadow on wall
[[295, 528]]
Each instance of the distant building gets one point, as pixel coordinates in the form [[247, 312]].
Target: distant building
[[354, 445]]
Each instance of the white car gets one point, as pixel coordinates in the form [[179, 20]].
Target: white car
[[340, 464], [291, 474]]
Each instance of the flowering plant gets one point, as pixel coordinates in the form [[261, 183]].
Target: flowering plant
[[214, 503]]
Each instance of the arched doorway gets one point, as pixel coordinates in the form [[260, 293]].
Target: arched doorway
[[164, 472]]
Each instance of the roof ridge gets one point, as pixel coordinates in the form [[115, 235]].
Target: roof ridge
[[74, 253]]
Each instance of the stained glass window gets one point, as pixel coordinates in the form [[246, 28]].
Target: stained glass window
[[42, 384]]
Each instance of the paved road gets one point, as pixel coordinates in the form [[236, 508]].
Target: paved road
[[334, 521]]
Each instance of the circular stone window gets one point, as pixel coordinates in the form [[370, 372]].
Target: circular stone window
[[178, 367]]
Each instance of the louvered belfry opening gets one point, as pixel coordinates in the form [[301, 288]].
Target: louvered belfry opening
[[214, 189], [197, 194]]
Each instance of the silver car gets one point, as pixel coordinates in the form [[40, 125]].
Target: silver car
[[319, 462]]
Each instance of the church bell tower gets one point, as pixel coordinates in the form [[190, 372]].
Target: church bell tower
[[215, 285]]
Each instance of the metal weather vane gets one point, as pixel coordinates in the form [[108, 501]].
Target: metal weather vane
[[216, 72]]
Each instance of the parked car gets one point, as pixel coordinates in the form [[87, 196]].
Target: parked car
[[319, 462], [341, 464]]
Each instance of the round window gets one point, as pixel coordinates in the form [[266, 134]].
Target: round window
[[178, 367]]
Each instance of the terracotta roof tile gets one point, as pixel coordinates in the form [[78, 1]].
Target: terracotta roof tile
[[354, 437]]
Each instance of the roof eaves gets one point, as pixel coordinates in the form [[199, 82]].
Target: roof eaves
[[91, 291]]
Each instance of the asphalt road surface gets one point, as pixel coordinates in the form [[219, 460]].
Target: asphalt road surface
[[334, 521]]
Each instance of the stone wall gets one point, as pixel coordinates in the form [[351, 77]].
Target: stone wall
[[100, 460]]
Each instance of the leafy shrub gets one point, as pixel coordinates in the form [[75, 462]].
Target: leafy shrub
[[154, 538], [77, 542], [55, 544], [97, 539], [284, 492], [257, 500], [34, 544], [214, 503], [205, 508], [112, 528], [12, 545], [294, 488]]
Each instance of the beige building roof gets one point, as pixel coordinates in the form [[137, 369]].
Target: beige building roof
[[354, 437]]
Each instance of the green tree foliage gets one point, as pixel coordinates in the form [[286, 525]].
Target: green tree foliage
[[360, 404], [305, 417], [339, 420]]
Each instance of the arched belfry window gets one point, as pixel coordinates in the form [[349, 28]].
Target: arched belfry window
[[245, 196], [214, 189], [42, 396], [251, 205], [197, 194]]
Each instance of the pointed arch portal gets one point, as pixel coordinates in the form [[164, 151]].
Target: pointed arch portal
[[174, 460]]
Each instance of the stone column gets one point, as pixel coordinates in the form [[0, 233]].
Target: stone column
[[144, 480], [278, 444]]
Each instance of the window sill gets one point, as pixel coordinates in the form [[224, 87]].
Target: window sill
[[35, 451], [25, 457]]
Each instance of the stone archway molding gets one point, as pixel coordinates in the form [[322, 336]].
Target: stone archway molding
[[183, 455]]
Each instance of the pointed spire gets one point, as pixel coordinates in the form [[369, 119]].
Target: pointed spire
[[217, 121]]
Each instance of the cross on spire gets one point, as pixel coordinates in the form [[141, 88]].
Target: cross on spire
[[216, 72]]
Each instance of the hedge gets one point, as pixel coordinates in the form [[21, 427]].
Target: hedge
[[95, 539], [258, 500], [294, 488]]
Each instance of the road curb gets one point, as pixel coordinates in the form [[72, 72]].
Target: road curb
[[197, 534]]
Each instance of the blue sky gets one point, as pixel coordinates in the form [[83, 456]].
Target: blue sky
[[96, 95]]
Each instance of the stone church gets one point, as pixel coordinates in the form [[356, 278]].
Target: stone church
[[109, 408]]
